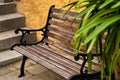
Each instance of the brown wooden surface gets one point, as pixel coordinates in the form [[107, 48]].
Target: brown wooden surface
[[52, 59], [58, 37], [43, 61], [62, 47], [64, 18], [63, 32], [60, 24], [60, 11]]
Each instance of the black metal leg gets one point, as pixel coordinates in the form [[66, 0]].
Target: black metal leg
[[22, 67]]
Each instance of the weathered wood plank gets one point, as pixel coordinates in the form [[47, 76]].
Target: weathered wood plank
[[63, 32], [64, 18], [44, 62], [58, 37], [66, 48], [62, 47], [57, 58], [70, 13], [60, 24], [68, 56], [50, 58]]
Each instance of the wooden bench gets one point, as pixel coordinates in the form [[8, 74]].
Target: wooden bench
[[54, 50]]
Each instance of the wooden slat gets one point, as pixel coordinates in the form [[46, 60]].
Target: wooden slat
[[51, 59], [70, 13], [60, 24], [95, 67], [62, 47], [64, 18], [66, 40], [68, 57], [43, 61], [51, 50], [65, 48], [56, 58], [63, 32], [60, 38]]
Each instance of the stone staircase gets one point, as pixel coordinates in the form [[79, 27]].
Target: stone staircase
[[10, 20]]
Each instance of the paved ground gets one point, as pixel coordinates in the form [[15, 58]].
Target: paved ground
[[33, 71]]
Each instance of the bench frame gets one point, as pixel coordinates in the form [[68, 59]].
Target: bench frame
[[84, 75]]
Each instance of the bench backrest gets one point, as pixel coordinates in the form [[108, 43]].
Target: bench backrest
[[60, 30]]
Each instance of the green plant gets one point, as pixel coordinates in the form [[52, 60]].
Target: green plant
[[99, 16]]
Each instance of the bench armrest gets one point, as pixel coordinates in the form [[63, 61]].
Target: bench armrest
[[77, 57], [26, 32], [84, 57]]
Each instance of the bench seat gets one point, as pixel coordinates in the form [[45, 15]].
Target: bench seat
[[58, 62]]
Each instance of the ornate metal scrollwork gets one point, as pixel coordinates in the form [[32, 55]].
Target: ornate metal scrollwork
[[84, 75], [25, 32]]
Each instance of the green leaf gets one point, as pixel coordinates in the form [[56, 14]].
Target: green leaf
[[80, 2], [80, 7], [109, 40], [72, 5], [77, 42], [89, 62], [84, 12], [94, 21], [87, 15], [69, 4], [116, 5], [116, 55], [115, 58], [102, 66], [91, 45], [88, 26], [106, 3], [102, 27], [117, 41], [99, 14]]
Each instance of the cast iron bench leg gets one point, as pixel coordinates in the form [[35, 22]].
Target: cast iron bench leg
[[22, 66]]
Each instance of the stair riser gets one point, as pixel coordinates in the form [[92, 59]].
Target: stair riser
[[7, 43], [8, 57], [5, 1], [7, 8], [12, 24]]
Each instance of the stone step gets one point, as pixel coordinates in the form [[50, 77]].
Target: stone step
[[8, 56], [11, 21], [8, 38], [5, 1], [7, 8]]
